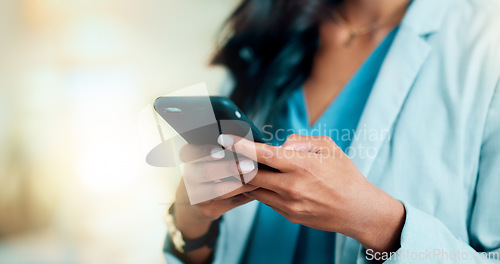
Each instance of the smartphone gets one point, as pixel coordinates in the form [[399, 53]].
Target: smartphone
[[200, 119]]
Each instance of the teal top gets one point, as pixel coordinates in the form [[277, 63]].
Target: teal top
[[339, 121]]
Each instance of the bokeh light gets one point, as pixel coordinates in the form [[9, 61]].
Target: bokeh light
[[74, 78]]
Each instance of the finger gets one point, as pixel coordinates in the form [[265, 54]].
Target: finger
[[269, 180], [202, 192], [243, 189], [281, 212], [230, 203], [218, 170], [268, 197], [298, 143], [182, 196], [197, 153], [272, 156]]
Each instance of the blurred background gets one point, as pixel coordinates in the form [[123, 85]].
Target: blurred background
[[74, 76]]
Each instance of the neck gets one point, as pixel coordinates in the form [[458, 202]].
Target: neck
[[359, 13]]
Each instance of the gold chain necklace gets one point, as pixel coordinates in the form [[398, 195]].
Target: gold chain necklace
[[354, 33]]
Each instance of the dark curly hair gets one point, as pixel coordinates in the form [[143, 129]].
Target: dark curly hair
[[269, 51]]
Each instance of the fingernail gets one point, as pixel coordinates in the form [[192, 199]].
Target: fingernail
[[246, 166], [217, 153], [225, 141]]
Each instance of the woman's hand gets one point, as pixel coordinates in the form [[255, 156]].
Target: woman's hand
[[213, 181], [203, 170], [320, 187]]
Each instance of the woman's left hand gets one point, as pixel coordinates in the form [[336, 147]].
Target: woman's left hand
[[320, 187]]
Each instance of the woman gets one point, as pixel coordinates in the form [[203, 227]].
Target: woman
[[419, 84]]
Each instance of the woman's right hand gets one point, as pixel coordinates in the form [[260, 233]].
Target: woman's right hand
[[213, 180]]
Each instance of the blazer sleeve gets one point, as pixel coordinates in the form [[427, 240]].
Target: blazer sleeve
[[425, 239]]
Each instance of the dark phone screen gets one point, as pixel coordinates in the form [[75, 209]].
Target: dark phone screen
[[200, 120]]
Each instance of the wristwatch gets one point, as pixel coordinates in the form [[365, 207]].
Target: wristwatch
[[184, 245]]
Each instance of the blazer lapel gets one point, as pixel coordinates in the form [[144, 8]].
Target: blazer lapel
[[398, 73], [396, 77]]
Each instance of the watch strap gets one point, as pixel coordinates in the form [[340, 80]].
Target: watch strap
[[183, 246], [208, 239]]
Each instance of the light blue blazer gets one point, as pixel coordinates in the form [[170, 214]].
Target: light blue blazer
[[438, 96]]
